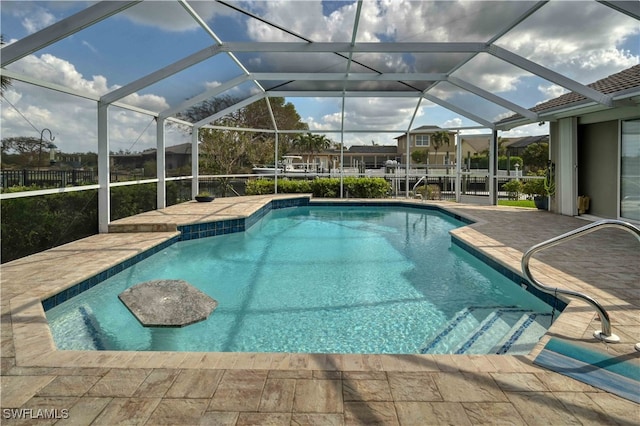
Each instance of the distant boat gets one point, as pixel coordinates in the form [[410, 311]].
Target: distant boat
[[286, 166]]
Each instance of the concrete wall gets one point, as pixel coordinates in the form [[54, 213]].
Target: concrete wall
[[598, 166]]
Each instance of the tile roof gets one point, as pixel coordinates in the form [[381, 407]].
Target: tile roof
[[373, 149], [624, 80], [528, 140]]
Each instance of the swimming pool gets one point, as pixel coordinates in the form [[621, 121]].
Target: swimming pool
[[318, 280]]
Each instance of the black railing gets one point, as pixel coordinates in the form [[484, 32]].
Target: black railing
[[47, 178]]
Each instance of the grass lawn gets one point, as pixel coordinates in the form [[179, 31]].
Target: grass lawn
[[517, 203]]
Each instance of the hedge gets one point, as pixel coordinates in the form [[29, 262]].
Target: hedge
[[482, 162], [34, 224], [323, 187]]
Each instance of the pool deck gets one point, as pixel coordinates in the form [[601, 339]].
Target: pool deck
[[107, 387]]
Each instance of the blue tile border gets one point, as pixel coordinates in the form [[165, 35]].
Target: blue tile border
[[85, 285]]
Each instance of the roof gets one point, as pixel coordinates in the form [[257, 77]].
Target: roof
[[526, 141], [422, 129], [614, 84], [373, 149]]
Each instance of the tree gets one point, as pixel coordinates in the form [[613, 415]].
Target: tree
[[309, 143], [535, 156], [250, 147], [25, 150], [438, 140], [420, 156]]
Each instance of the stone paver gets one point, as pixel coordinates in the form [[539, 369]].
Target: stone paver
[[317, 389]]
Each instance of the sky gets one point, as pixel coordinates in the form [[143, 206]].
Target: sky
[[583, 40]]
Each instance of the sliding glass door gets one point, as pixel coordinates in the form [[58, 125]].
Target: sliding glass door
[[630, 170]]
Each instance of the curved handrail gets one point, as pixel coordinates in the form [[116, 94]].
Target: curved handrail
[[606, 223]]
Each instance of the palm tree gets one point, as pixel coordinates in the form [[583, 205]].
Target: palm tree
[[438, 140], [309, 144]]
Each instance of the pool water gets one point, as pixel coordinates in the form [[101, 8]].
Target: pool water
[[304, 279]]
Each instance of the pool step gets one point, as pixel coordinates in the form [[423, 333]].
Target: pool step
[[463, 324], [84, 328], [524, 335], [482, 330]]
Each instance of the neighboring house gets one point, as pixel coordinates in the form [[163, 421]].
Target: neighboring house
[[420, 140], [595, 148], [474, 144], [126, 161], [176, 156], [371, 156], [516, 147]]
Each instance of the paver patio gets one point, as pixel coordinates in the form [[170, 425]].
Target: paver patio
[[107, 387]]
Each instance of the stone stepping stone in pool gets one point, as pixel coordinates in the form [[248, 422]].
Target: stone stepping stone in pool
[[167, 303]]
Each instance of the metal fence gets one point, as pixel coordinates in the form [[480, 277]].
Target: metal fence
[[58, 178], [443, 187], [47, 178]]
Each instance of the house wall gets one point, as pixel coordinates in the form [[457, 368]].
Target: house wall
[[433, 159], [597, 159], [598, 167]]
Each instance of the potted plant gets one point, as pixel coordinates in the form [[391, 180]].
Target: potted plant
[[540, 189], [204, 197]]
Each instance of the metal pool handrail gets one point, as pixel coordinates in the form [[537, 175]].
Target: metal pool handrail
[[605, 334]]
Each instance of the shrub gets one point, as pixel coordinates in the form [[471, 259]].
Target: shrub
[[429, 192], [259, 187], [514, 188], [323, 187], [33, 224]]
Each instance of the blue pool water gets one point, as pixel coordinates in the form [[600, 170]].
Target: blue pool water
[[305, 279]]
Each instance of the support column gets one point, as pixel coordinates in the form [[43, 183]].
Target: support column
[[195, 183], [161, 199], [408, 161], [275, 183], [458, 165], [493, 169], [104, 172], [564, 153]]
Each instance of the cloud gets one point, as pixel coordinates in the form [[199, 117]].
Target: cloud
[[587, 53], [551, 91], [453, 123], [170, 16], [37, 20], [89, 46], [72, 120], [527, 130]]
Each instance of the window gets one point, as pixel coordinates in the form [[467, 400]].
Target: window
[[630, 170], [422, 140]]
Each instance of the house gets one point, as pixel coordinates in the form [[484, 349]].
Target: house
[[595, 147], [474, 144], [421, 139], [176, 157], [371, 156], [516, 147]]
